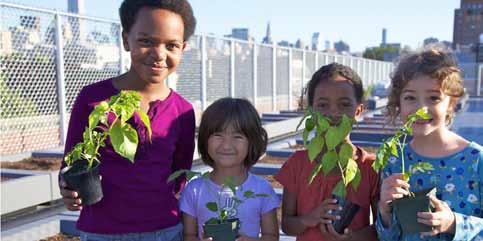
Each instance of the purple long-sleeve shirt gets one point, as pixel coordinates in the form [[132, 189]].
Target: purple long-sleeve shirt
[[137, 197]]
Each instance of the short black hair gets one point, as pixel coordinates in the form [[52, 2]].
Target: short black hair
[[331, 71], [244, 118], [130, 8]]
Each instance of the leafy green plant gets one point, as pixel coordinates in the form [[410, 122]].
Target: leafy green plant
[[123, 136], [391, 145], [337, 152], [222, 214]]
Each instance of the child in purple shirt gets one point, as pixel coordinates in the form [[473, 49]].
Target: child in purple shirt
[[138, 204], [231, 139]]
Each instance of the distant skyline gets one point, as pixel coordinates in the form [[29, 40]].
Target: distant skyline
[[358, 23]]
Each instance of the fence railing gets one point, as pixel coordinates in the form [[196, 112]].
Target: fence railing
[[46, 57]]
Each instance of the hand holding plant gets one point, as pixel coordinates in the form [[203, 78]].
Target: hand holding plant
[[82, 171]]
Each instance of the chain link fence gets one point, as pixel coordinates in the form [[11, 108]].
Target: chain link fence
[[47, 56]]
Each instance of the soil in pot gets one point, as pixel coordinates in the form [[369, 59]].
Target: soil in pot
[[349, 210], [226, 231], [406, 210], [86, 182]]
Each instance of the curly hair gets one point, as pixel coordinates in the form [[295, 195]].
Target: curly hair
[[245, 119], [130, 8], [434, 64], [331, 71]]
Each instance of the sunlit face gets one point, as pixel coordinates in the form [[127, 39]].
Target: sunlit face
[[421, 92], [336, 97], [228, 148], [156, 44]]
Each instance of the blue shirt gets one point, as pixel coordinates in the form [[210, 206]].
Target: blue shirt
[[459, 182]]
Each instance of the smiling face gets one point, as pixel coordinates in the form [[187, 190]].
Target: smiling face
[[421, 92], [336, 97], [228, 148], [156, 44]]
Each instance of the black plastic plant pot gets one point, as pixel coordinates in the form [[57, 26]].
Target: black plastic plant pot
[[349, 210], [406, 210], [226, 231], [86, 182]]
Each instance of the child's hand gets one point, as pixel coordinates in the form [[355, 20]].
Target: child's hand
[[321, 214], [393, 187], [442, 220], [330, 234], [70, 197]]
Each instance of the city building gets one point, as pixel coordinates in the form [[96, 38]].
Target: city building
[[430, 40], [384, 37], [300, 44], [76, 24], [240, 33], [316, 45], [468, 24], [341, 46], [268, 36]]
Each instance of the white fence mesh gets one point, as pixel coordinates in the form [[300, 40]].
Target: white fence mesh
[[36, 65]]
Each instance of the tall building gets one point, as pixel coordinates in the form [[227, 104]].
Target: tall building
[[384, 37], [316, 41], [341, 46], [468, 23], [268, 36], [327, 45], [76, 24], [430, 40], [240, 33]]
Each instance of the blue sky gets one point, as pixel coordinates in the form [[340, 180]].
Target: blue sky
[[357, 22]]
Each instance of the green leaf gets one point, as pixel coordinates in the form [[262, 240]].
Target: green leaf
[[212, 206], [248, 194], [212, 221], [305, 136], [382, 157], [315, 147], [176, 174], [329, 161], [315, 171], [345, 126], [345, 153], [100, 110], [393, 146], [147, 123], [124, 139], [332, 138], [339, 189], [421, 167], [350, 171], [323, 124], [230, 183], [307, 113], [357, 180], [309, 124], [423, 113]]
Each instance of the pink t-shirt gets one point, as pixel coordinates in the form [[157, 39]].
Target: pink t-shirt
[[294, 176]]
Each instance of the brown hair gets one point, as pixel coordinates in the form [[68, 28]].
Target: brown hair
[[331, 71], [243, 116], [431, 63]]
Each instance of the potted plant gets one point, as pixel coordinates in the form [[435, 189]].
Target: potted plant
[[406, 208], [82, 170], [222, 227], [330, 140]]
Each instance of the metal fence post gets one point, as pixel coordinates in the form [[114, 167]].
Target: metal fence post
[[203, 72], [274, 77], [121, 51], [303, 72], [254, 75], [59, 63], [232, 68], [290, 65]]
